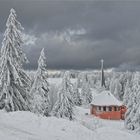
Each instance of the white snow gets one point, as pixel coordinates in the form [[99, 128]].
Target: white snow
[[105, 98], [28, 126], [58, 81], [104, 129], [111, 133]]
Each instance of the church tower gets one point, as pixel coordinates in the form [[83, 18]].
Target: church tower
[[102, 74]]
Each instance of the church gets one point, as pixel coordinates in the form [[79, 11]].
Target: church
[[105, 105]]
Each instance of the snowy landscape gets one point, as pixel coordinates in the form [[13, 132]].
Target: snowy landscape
[[45, 104]]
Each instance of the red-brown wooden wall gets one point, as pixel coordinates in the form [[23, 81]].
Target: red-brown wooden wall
[[113, 115]]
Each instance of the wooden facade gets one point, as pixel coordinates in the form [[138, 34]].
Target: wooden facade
[[112, 112]]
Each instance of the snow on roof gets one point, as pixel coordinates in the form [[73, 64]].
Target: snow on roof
[[105, 98]]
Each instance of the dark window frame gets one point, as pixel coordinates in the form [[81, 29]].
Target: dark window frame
[[115, 108], [104, 108], [110, 108]]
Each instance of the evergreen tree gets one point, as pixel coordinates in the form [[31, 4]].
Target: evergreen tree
[[135, 114], [76, 95], [128, 91], [116, 86], [132, 114], [86, 94], [81, 79], [136, 118], [39, 91], [64, 105], [14, 83], [117, 91]]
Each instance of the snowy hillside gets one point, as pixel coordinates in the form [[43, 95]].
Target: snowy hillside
[[28, 126]]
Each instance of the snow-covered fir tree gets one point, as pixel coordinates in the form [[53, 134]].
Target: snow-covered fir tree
[[14, 83], [127, 91], [132, 118], [86, 94], [76, 95], [116, 87], [128, 101], [79, 79], [123, 81], [136, 100], [64, 105], [40, 88], [118, 84], [136, 118], [130, 111]]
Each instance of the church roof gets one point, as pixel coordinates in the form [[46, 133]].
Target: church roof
[[105, 98]]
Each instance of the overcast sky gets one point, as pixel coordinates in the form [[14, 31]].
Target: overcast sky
[[77, 34]]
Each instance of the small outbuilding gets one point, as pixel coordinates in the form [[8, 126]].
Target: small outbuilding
[[106, 106]]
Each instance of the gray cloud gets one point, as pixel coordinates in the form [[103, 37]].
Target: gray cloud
[[77, 34]]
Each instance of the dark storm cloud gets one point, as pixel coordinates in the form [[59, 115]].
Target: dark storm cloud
[[77, 34]]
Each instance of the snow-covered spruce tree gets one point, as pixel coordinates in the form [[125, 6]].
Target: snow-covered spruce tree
[[117, 90], [136, 118], [14, 83], [79, 80], [116, 87], [76, 95], [86, 94], [135, 114], [131, 116], [128, 91], [40, 103], [129, 104], [64, 105], [128, 101]]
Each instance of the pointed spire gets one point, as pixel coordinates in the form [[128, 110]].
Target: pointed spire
[[102, 74]]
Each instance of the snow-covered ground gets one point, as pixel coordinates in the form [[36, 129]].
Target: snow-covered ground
[[28, 126], [58, 81], [104, 129]]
